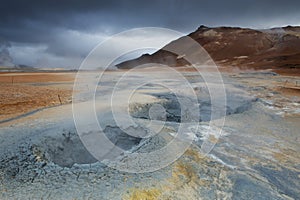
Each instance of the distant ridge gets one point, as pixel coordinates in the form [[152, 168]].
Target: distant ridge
[[18, 68], [276, 48], [25, 68]]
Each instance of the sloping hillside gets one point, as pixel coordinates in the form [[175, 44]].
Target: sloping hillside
[[277, 48]]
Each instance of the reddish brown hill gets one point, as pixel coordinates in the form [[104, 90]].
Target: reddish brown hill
[[277, 48]]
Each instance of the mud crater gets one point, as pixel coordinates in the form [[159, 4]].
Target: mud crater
[[235, 104], [67, 149]]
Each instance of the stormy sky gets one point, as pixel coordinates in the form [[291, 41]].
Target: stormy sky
[[53, 33]]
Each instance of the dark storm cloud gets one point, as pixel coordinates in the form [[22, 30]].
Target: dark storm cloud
[[71, 28]]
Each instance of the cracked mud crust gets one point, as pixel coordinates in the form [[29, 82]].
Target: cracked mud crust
[[255, 157]]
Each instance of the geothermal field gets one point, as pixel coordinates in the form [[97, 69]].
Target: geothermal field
[[211, 115], [251, 151]]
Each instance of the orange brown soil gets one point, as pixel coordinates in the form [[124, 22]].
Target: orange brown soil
[[21, 93], [20, 77], [289, 90], [290, 72]]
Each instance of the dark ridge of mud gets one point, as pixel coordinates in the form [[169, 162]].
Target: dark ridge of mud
[[245, 187], [235, 104], [169, 102], [27, 114], [286, 181]]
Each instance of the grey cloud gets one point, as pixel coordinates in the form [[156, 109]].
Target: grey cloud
[[54, 23]]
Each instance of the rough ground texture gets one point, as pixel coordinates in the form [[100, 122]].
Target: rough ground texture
[[256, 157]]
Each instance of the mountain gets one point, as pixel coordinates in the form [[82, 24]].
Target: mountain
[[276, 48]]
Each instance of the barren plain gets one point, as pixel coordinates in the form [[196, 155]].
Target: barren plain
[[255, 157]]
